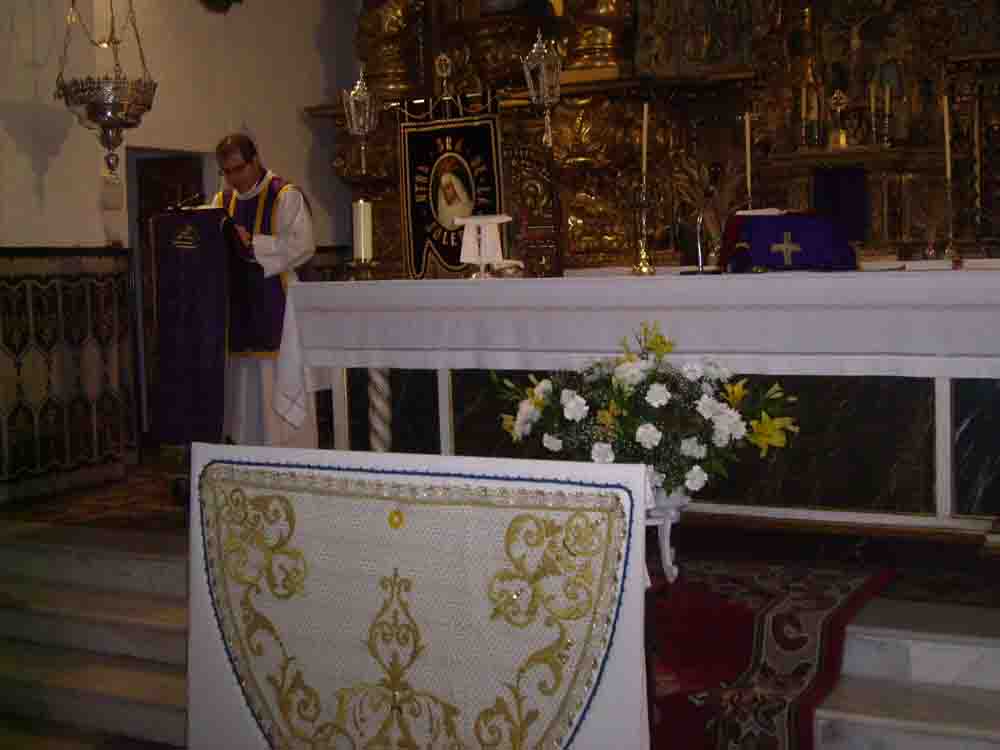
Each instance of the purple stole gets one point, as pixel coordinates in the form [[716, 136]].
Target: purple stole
[[256, 303]]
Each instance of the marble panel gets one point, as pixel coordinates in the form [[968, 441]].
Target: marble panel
[[866, 444], [977, 460]]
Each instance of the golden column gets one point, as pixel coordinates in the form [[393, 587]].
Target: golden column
[[387, 44]]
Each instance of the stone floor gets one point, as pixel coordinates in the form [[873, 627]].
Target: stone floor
[[152, 499]]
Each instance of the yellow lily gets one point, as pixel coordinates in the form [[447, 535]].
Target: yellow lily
[[655, 341], [774, 391], [607, 417], [736, 392], [768, 432], [507, 422]]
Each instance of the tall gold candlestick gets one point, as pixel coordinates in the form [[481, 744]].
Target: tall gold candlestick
[[947, 138], [645, 138], [748, 142]]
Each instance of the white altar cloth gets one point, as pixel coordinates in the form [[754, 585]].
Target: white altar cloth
[[931, 324]]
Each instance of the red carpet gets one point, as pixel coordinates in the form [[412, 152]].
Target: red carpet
[[743, 653]]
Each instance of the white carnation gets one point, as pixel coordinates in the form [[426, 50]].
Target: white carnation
[[709, 407], [601, 453], [715, 371], [551, 442], [727, 425], [632, 372], [527, 415], [692, 371], [692, 447], [657, 395], [695, 479], [574, 406], [648, 436]]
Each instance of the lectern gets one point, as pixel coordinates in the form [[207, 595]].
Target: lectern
[[191, 252]]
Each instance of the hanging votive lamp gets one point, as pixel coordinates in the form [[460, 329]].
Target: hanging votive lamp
[[111, 103]]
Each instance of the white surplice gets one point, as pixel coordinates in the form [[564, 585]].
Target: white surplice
[[250, 414]]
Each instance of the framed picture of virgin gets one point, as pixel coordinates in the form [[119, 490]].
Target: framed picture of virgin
[[448, 169]]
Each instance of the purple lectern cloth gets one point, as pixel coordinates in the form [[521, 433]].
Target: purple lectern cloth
[[192, 263]]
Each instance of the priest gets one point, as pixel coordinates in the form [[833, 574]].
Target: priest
[[274, 236]]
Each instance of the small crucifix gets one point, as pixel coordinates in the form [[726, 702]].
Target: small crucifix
[[786, 248]]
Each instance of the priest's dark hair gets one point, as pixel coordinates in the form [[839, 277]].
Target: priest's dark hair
[[236, 143]]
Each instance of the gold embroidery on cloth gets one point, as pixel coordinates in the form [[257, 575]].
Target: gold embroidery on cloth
[[552, 573], [251, 538], [561, 575], [392, 704]]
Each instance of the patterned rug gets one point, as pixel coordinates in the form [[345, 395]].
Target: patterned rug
[[742, 653]]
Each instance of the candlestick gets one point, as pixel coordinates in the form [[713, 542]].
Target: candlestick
[[362, 216], [645, 136], [888, 99], [976, 157], [871, 97], [947, 138], [747, 140]]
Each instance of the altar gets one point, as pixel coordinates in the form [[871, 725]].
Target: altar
[[938, 325]]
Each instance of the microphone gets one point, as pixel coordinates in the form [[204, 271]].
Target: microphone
[[192, 200]]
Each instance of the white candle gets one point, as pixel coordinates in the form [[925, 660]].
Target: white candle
[[362, 214], [947, 137], [645, 135], [746, 138]]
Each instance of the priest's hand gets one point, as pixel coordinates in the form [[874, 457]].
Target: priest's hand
[[245, 239], [245, 248]]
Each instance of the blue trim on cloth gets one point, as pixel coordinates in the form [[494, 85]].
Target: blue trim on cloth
[[443, 475]]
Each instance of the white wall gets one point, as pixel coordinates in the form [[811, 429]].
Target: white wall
[[255, 67], [49, 175]]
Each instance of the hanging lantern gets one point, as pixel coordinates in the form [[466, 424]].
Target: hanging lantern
[[109, 103], [361, 108], [542, 68]]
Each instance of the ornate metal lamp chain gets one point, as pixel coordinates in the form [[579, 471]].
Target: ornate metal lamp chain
[[138, 39], [71, 17], [113, 34]]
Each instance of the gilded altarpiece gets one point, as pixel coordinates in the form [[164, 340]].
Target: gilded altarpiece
[[840, 84]]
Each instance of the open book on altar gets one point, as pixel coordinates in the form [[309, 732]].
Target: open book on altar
[[344, 599]]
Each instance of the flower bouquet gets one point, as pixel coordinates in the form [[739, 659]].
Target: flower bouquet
[[688, 423]]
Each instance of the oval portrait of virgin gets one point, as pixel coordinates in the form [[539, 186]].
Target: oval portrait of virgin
[[452, 190]]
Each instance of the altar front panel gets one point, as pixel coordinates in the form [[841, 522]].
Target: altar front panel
[[938, 325]]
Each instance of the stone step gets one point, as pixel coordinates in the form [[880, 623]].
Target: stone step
[[100, 692], [31, 734], [921, 642], [112, 559], [873, 714], [112, 622]]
